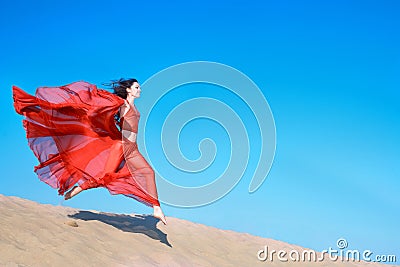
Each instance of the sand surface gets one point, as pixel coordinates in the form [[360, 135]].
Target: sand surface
[[33, 234]]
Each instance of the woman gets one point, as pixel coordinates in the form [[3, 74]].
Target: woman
[[87, 136]]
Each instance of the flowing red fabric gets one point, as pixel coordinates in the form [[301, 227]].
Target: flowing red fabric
[[72, 131]]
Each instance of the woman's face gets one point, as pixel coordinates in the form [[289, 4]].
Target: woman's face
[[134, 90]]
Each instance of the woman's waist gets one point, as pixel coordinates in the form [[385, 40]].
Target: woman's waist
[[129, 135]]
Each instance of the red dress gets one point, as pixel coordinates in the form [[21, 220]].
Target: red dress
[[72, 131]]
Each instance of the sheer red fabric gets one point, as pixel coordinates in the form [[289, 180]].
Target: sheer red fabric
[[72, 131]]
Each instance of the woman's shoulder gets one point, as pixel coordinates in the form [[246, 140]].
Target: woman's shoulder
[[128, 109]]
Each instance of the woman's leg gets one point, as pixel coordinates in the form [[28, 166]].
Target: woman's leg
[[73, 192], [114, 160], [144, 176], [158, 213]]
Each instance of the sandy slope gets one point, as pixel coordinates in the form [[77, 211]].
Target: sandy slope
[[33, 234]]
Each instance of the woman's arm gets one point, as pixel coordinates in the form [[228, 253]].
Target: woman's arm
[[116, 151], [124, 109]]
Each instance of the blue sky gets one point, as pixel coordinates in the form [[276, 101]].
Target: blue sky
[[330, 73]]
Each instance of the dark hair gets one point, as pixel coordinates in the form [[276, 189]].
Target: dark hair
[[120, 86]]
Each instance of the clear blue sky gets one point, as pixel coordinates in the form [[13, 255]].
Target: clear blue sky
[[330, 73]]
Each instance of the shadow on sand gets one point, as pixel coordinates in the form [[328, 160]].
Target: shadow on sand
[[141, 224]]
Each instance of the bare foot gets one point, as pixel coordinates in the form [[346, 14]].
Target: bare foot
[[159, 214], [73, 192]]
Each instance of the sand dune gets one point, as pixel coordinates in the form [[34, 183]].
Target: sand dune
[[33, 234]]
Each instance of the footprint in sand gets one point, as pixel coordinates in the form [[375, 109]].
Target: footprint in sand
[[72, 223]]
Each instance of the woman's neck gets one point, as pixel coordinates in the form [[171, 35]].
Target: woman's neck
[[130, 99]]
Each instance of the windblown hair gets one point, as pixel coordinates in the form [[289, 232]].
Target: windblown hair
[[120, 86]]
